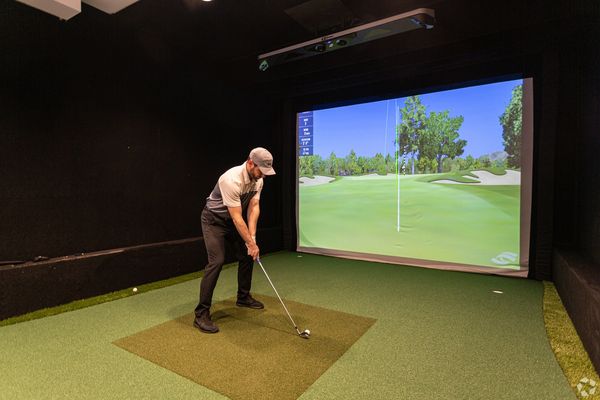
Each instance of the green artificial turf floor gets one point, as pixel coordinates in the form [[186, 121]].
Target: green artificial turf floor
[[438, 334]]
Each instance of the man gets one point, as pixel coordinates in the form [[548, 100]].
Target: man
[[237, 193]]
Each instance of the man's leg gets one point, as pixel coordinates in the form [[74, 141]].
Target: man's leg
[[245, 267], [214, 240]]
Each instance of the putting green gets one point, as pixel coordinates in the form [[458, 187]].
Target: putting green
[[456, 223], [257, 354]]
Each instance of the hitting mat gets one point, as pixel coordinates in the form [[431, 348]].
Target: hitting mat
[[257, 354]]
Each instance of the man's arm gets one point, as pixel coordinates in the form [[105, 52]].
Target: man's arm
[[253, 213], [242, 228]]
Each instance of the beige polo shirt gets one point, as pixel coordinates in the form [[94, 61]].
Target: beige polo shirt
[[235, 188]]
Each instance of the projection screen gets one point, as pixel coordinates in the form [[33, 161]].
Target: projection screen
[[439, 179]]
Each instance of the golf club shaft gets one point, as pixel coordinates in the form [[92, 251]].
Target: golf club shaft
[[278, 296]]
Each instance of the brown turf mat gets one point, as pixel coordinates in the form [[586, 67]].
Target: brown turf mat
[[257, 354]]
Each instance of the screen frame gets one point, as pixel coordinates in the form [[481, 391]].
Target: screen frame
[[527, 154]]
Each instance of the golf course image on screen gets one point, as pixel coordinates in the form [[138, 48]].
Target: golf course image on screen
[[431, 177]]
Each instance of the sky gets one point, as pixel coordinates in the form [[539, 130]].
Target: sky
[[368, 128]]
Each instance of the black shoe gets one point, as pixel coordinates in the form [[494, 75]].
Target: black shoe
[[249, 302], [205, 324]]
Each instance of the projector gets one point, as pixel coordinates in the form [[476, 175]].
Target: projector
[[421, 18]]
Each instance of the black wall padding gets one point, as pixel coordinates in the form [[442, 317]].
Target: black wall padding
[[576, 279], [33, 286]]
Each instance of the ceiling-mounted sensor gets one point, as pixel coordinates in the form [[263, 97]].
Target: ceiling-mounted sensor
[[421, 18]]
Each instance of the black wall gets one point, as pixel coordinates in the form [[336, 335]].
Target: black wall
[[109, 139], [588, 144], [576, 261], [112, 135]]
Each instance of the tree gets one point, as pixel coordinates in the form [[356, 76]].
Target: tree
[[363, 164], [342, 168], [423, 165], [332, 165], [450, 164], [306, 166], [389, 164], [319, 165], [485, 161], [433, 165], [469, 163], [441, 138], [512, 127], [410, 128], [352, 164], [499, 164], [378, 164]]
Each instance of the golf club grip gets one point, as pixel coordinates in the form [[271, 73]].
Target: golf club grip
[[278, 296]]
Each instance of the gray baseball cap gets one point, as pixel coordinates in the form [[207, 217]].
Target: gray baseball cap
[[263, 159]]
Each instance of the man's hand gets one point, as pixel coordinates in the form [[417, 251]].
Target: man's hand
[[253, 250]]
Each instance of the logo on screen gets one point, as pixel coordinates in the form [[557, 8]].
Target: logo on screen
[[586, 387], [505, 258]]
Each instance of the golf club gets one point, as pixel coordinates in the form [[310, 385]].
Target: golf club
[[305, 334]]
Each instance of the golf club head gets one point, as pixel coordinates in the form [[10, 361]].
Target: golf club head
[[305, 334]]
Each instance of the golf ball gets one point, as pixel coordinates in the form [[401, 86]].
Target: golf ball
[[134, 290]]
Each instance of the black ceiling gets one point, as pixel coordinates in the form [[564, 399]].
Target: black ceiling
[[226, 36]]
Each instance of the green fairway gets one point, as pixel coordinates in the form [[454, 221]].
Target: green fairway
[[463, 224]]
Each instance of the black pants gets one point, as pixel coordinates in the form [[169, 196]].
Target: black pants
[[220, 233]]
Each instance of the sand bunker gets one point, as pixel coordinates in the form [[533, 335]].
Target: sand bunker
[[317, 180], [487, 178]]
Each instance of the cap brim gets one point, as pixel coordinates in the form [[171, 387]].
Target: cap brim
[[267, 171]]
